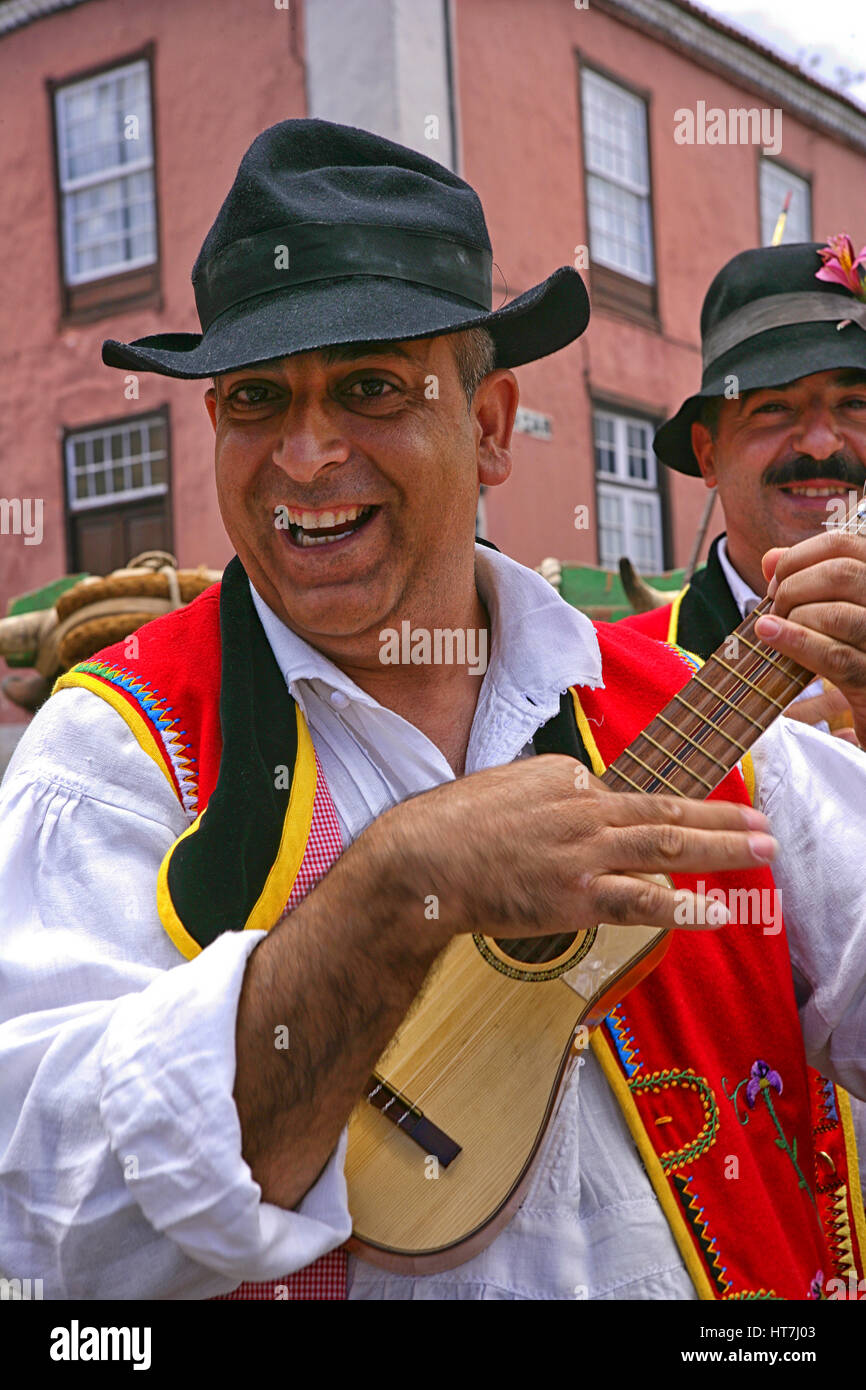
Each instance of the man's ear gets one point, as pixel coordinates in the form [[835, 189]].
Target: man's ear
[[494, 407], [210, 400], [704, 448]]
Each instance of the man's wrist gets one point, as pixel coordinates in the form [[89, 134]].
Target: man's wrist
[[395, 882]]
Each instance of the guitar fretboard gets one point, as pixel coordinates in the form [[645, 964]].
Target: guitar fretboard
[[707, 727]]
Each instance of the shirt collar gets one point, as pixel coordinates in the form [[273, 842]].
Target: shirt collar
[[539, 643], [744, 597]]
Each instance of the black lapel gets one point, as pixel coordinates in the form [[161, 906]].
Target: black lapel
[[216, 875], [708, 612], [561, 734]]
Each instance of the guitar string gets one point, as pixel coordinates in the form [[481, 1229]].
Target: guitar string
[[726, 705]]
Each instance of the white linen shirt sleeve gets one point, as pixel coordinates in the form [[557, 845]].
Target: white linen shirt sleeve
[[121, 1173], [813, 788]]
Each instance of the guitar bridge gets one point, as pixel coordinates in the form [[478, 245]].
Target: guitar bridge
[[390, 1102]]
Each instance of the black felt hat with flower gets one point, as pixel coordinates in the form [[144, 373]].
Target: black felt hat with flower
[[771, 316]]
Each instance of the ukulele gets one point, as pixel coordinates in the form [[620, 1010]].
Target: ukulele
[[498, 1022]]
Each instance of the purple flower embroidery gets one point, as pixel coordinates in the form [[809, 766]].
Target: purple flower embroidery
[[761, 1076], [816, 1285], [761, 1081]]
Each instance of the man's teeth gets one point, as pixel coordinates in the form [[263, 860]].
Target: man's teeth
[[302, 524], [318, 521], [836, 491]]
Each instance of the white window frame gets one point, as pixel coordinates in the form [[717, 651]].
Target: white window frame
[[105, 432], [111, 173], [593, 83], [621, 485], [770, 171]]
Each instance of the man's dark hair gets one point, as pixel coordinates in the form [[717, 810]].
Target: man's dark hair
[[710, 411], [474, 356]]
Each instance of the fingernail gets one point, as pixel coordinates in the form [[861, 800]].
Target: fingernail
[[768, 627], [763, 847], [772, 586], [754, 819]]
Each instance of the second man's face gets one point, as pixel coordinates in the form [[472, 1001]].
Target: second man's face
[[780, 457]]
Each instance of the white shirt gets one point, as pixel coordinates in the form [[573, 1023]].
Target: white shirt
[[120, 1150], [742, 593]]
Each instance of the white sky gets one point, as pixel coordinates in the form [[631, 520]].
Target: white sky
[[827, 40]]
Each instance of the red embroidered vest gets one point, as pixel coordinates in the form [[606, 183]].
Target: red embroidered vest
[[705, 1056]]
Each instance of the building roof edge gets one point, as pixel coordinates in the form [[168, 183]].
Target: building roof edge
[[14, 14], [747, 61]]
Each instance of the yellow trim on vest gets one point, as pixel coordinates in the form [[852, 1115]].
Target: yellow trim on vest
[[280, 881], [296, 833], [747, 768], [589, 742], [853, 1171], [136, 722], [186, 944], [674, 623], [618, 1084]]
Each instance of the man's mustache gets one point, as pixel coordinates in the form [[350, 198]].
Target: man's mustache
[[836, 467]]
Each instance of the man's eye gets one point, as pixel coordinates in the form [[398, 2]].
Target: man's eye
[[250, 395], [769, 406], [371, 388], [855, 403]]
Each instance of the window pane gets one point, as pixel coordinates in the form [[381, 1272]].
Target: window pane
[[104, 123], [645, 542], [629, 509], [103, 127], [111, 225], [611, 526], [614, 132], [776, 183], [117, 462], [637, 451], [605, 458], [619, 229]]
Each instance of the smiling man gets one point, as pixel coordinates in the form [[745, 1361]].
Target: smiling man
[[330, 530], [234, 850]]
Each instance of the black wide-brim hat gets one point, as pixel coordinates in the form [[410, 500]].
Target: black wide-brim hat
[[332, 235], [766, 321]]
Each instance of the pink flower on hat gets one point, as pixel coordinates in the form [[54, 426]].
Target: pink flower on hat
[[841, 267]]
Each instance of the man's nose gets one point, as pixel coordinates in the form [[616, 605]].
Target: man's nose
[[817, 433], [310, 439]]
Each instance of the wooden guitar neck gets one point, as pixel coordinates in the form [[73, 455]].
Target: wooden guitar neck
[[706, 728]]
